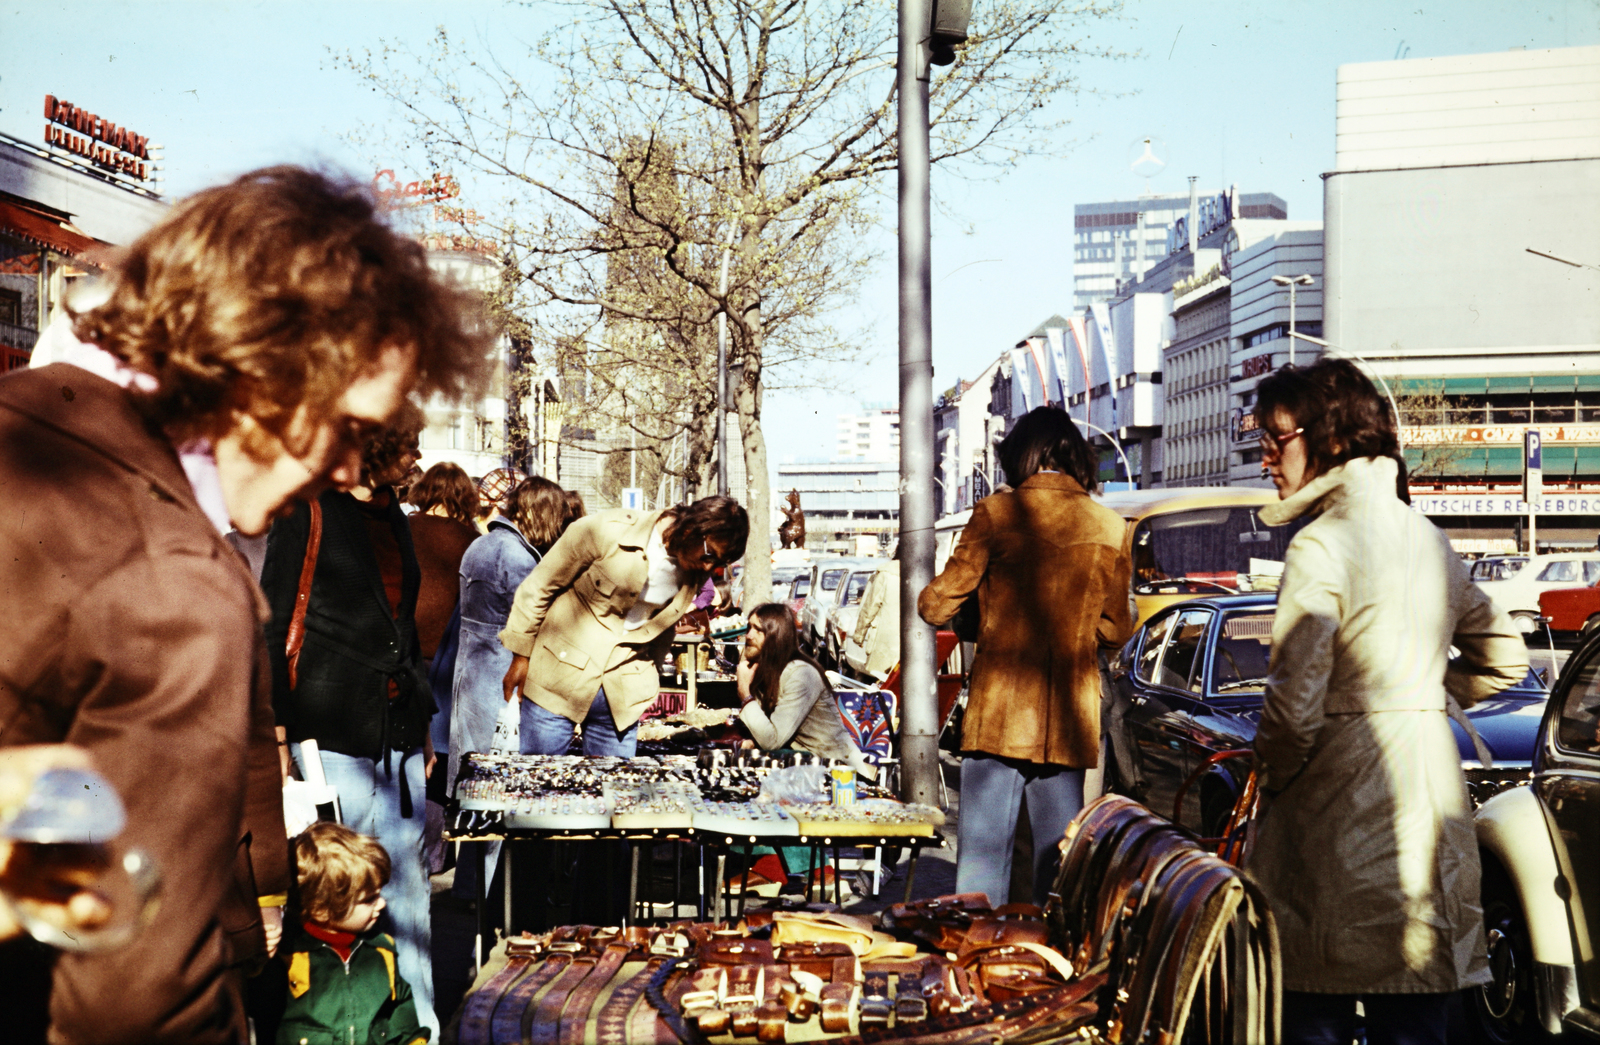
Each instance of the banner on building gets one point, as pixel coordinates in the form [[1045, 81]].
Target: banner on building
[[1102, 323]]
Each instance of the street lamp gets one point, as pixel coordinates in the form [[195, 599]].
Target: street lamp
[[1291, 282], [1126, 468]]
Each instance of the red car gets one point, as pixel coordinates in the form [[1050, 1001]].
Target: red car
[[1572, 611]]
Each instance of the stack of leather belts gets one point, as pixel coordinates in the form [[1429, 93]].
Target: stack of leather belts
[[1146, 938]]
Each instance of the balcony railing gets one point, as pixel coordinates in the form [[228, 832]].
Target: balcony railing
[[16, 344]]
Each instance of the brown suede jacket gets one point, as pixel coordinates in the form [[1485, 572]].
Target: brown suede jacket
[[134, 630], [1051, 570]]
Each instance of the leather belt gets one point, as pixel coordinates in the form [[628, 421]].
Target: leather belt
[[506, 1023], [541, 1024], [575, 1014], [612, 1023], [477, 1014]]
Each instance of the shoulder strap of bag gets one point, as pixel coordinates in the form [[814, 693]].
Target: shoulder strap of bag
[[302, 598]]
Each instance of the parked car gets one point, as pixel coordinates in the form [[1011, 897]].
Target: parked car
[[1191, 682], [783, 578], [841, 620], [799, 588], [1540, 847], [1519, 594], [1571, 611], [1497, 567], [1186, 541], [826, 577]]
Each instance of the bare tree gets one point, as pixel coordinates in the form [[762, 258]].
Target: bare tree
[[779, 117], [1426, 411]]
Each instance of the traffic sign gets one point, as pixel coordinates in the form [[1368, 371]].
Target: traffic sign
[[633, 497]]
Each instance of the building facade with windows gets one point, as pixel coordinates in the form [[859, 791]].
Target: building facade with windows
[[1120, 240], [1460, 259], [872, 434], [842, 499], [56, 213]]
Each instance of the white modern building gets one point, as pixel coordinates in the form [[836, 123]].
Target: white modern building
[[873, 434], [1461, 255], [1120, 240]]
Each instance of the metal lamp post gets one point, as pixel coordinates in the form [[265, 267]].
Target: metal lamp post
[[1127, 469], [930, 30], [1302, 280]]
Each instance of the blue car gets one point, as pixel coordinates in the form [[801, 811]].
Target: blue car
[[1190, 684]]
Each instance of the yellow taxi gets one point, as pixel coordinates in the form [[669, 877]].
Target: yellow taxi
[[1185, 541]]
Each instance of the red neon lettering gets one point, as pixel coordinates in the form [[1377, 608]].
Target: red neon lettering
[[49, 107]]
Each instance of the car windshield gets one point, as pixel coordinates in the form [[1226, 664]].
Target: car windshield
[[1206, 549], [831, 579], [802, 585], [854, 588]]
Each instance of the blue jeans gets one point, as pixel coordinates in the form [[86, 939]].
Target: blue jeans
[[1391, 1019], [369, 802], [991, 795], [544, 732]]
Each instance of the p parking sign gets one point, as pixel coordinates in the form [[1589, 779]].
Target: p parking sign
[[1532, 466]]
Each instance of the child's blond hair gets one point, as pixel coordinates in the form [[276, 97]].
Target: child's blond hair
[[336, 868]]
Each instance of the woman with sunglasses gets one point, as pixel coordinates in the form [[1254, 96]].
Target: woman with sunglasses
[[1365, 844], [592, 622]]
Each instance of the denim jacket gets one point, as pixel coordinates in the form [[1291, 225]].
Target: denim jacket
[[493, 567]]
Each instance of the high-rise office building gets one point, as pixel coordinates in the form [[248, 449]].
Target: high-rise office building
[[871, 435], [1122, 239]]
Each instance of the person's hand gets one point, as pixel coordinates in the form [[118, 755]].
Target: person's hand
[[429, 757], [743, 673], [272, 925], [516, 675], [58, 876]]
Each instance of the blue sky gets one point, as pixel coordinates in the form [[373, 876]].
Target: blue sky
[[1238, 92]]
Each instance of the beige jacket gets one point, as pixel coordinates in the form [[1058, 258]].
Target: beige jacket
[[1365, 844], [567, 620], [878, 624]]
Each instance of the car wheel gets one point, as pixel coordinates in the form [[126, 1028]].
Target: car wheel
[[1526, 622], [1505, 1007]]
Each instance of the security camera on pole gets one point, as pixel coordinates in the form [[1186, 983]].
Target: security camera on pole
[[1532, 481]]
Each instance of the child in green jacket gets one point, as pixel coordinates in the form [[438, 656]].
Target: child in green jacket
[[342, 981]]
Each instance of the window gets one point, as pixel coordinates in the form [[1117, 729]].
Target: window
[[1155, 635], [1180, 665], [11, 307], [831, 579], [1243, 651], [855, 588], [1578, 729], [1564, 571]]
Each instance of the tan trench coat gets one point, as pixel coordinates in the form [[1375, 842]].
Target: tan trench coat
[[567, 619], [1051, 570], [1365, 845]]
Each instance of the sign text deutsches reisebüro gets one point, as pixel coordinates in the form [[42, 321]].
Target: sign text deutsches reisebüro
[[1464, 504]]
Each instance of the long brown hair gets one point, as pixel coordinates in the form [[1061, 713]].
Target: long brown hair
[[779, 646], [693, 524], [447, 485], [538, 507]]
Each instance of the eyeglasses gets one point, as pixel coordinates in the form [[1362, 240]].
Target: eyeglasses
[[1272, 443], [709, 557]]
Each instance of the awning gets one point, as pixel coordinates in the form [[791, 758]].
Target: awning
[[39, 226]]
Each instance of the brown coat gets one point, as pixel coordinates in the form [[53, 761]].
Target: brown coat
[[440, 544], [1051, 570], [567, 618], [134, 630]]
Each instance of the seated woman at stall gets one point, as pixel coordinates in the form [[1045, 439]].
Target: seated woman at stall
[[788, 705], [786, 700]]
